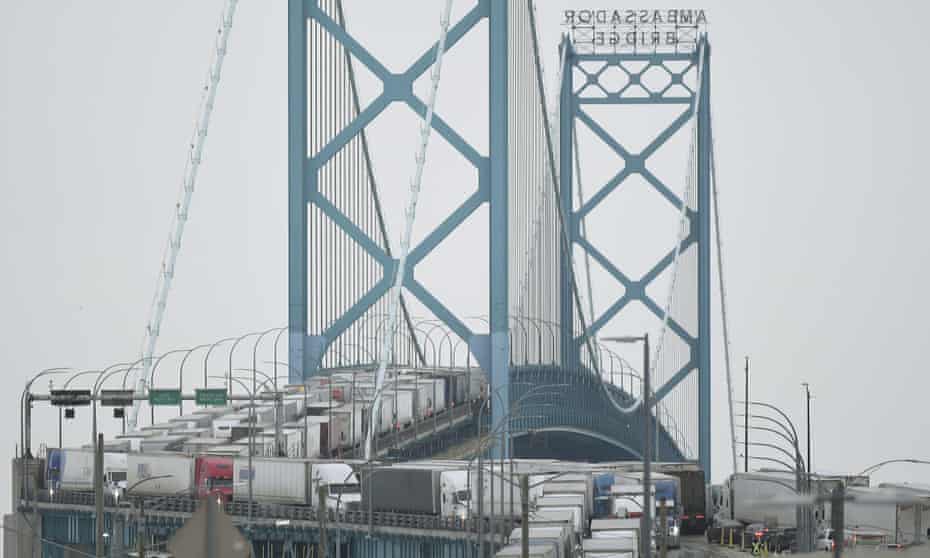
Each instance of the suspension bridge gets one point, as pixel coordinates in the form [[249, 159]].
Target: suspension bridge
[[552, 285]]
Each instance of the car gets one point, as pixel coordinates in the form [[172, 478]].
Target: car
[[825, 540]]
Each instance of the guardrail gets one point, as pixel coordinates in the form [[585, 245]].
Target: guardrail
[[422, 429], [239, 511]]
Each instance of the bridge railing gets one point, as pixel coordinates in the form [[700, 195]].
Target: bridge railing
[[185, 504]]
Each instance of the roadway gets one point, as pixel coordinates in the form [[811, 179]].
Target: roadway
[[698, 547]]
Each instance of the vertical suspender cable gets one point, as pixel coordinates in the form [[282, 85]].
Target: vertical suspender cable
[[583, 224], [373, 185], [723, 304], [195, 154], [387, 337], [559, 210]]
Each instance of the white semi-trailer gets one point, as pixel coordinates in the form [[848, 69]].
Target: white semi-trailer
[[754, 498], [294, 481], [170, 473], [73, 469]]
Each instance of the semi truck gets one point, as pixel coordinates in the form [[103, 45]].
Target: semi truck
[[751, 496], [416, 489], [73, 469], [214, 475], [295, 481], [693, 491]]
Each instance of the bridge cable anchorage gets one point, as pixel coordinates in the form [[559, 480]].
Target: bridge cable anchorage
[[182, 207], [387, 336], [723, 301]]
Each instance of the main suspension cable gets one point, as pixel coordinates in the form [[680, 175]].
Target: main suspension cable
[[182, 208]]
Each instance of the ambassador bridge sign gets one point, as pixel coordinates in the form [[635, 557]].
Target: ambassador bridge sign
[[603, 30]]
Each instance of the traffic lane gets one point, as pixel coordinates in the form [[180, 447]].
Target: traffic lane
[[698, 547]]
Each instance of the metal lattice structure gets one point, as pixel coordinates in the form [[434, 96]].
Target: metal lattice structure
[[695, 242], [344, 248]]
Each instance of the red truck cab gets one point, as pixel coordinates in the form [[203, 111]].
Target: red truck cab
[[214, 475]]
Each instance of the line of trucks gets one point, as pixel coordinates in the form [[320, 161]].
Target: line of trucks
[[323, 419], [582, 496], [749, 503]]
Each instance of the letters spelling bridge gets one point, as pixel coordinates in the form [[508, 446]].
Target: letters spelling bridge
[[539, 327]]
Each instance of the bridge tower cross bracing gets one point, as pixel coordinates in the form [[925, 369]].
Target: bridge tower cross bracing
[[318, 137], [574, 99]]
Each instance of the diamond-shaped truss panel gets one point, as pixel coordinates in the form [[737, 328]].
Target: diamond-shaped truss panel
[[605, 288], [674, 161], [656, 78], [456, 272], [633, 227], [597, 164], [633, 319], [614, 79], [633, 127], [448, 178], [676, 288]]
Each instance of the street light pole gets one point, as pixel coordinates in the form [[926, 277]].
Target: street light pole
[[746, 445], [807, 389], [140, 528], [647, 452]]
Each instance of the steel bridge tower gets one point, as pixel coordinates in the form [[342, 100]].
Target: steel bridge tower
[[575, 98], [321, 142], [333, 196]]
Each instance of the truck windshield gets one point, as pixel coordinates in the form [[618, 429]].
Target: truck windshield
[[462, 496], [345, 489], [117, 476], [219, 483]]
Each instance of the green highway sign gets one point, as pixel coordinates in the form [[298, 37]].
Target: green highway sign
[[215, 397], [164, 397]]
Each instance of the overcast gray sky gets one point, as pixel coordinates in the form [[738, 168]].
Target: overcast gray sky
[[819, 121]]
